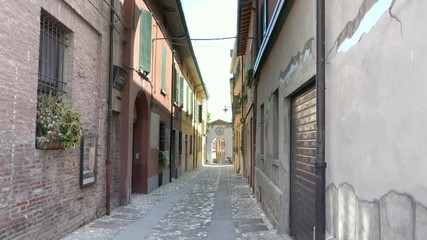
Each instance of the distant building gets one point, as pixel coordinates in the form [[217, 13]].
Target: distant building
[[219, 142]]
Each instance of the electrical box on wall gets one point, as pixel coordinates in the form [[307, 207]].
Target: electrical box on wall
[[119, 77]]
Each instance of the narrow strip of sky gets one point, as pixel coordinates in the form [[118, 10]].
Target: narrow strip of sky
[[213, 19]]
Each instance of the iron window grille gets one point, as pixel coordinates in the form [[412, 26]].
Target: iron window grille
[[162, 139], [180, 142], [53, 42]]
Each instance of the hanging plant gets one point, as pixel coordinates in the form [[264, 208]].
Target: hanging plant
[[249, 77], [58, 125]]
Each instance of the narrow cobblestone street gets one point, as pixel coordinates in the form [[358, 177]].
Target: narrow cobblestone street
[[212, 202]]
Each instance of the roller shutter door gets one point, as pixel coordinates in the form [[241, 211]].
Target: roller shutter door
[[303, 157]]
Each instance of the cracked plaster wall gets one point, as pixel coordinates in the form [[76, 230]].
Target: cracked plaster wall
[[393, 216], [374, 115], [376, 103]]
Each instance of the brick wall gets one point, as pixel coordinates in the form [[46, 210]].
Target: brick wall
[[40, 197]]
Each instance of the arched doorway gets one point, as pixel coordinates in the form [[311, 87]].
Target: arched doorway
[[140, 144], [218, 151]]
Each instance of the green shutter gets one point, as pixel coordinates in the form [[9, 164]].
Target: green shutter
[[186, 100], [192, 102], [163, 68], [176, 84], [181, 90], [145, 41]]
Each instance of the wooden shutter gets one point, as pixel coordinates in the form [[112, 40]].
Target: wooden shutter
[[187, 106], [176, 86], [163, 68], [200, 113], [145, 41], [181, 90]]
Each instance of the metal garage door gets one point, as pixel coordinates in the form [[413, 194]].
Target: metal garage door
[[303, 157]]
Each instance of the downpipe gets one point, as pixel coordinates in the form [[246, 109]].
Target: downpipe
[[110, 112], [171, 113], [320, 165]]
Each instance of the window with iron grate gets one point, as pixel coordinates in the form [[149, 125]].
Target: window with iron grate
[[53, 44], [162, 142]]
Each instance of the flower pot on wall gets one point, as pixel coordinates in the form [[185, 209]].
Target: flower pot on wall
[[58, 125], [48, 145]]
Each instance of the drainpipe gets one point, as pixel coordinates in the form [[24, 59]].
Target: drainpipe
[[320, 123], [193, 143], [254, 127], [242, 120], [172, 107], [110, 111], [255, 106]]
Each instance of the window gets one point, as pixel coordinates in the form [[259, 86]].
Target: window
[[263, 21], [180, 142], [191, 144], [181, 90], [187, 107], [275, 142], [53, 42], [163, 86], [162, 137], [260, 24], [176, 86], [265, 17], [200, 113], [191, 102], [261, 128], [145, 42]]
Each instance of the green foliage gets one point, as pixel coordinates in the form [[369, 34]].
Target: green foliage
[[209, 118], [243, 99], [164, 159], [57, 122], [249, 77]]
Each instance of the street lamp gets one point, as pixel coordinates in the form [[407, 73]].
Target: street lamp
[[226, 108]]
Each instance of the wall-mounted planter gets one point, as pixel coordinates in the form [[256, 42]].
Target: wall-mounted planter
[[48, 145]]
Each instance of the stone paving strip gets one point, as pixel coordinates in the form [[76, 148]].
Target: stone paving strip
[[249, 219], [109, 227], [208, 203]]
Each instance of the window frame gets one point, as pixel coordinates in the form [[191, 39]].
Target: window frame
[[163, 82], [145, 39], [162, 136], [53, 42], [262, 129]]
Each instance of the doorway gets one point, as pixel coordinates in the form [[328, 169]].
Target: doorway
[[303, 158]]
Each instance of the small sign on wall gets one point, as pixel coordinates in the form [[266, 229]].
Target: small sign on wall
[[88, 160]]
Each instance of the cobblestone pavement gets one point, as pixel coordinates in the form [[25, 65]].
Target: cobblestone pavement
[[191, 199]]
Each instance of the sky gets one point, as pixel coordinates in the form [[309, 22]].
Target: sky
[[213, 19], [369, 20]]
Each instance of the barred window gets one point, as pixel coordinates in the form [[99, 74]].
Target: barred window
[[53, 42], [180, 142], [162, 139]]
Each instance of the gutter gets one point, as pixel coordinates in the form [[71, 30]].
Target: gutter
[[110, 112], [320, 164]]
